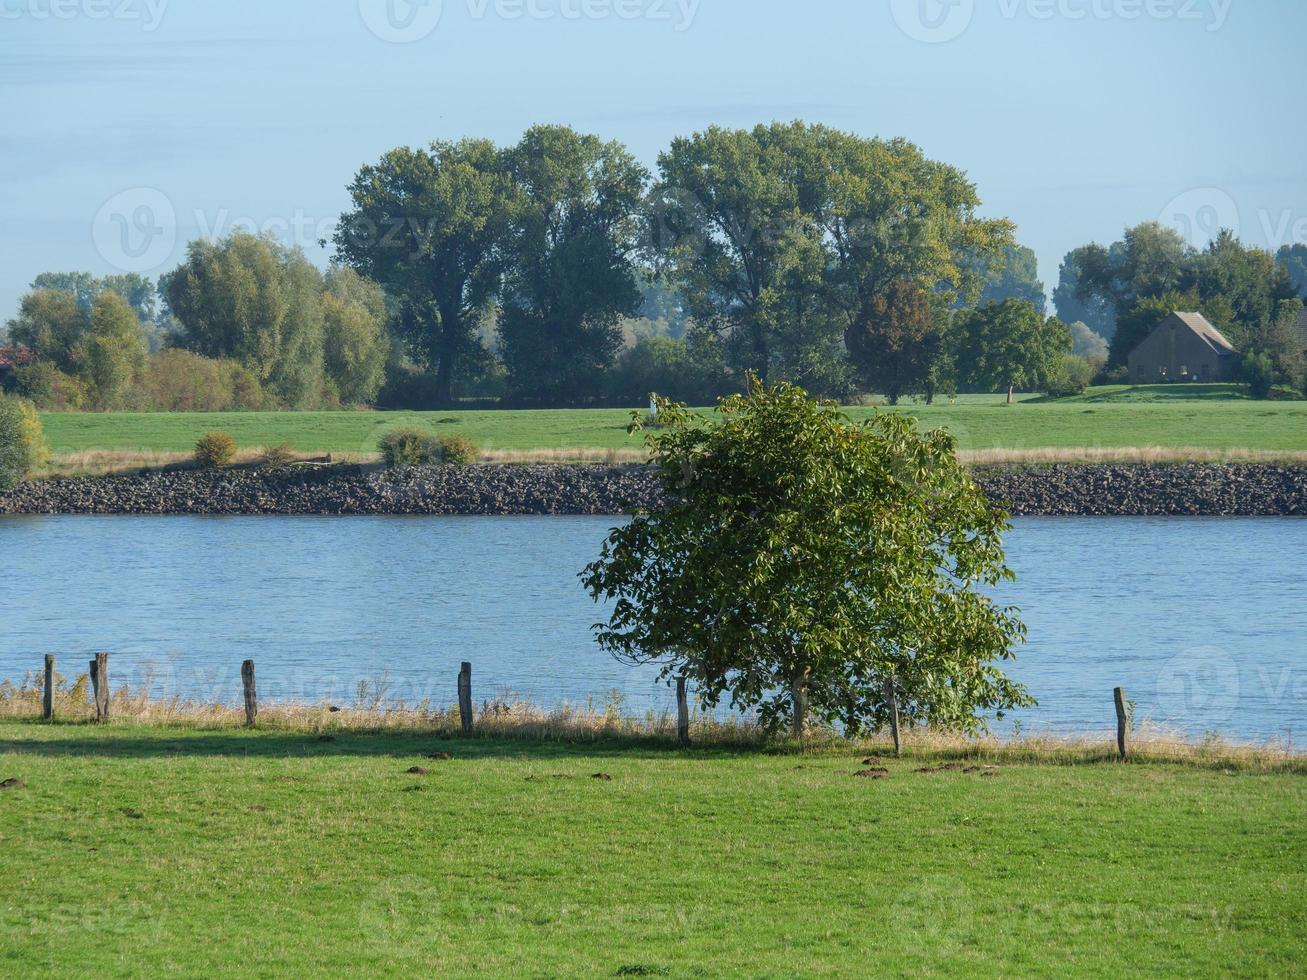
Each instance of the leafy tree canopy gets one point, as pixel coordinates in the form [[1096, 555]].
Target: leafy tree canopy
[[1008, 345], [800, 560]]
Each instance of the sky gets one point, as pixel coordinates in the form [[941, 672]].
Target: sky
[[130, 127]]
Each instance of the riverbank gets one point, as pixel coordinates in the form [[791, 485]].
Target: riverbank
[[1142, 490], [362, 854]]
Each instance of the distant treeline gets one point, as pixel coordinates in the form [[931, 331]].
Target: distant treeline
[[560, 272]]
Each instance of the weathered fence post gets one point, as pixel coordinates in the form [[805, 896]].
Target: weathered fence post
[[1122, 724], [251, 694], [682, 713], [100, 685], [465, 697], [47, 707], [892, 702]]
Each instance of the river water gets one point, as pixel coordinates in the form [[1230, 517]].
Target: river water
[[1203, 621]]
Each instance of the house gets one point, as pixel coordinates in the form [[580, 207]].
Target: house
[[14, 357], [1183, 347]]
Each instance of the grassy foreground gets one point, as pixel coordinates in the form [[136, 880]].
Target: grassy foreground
[[144, 850], [1104, 419]]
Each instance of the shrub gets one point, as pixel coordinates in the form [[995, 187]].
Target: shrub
[[181, 381], [214, 450], [409, 447], [277, 457], [1072, 376], [1258, 370], [22, 441], [458, 450], [48, 388]]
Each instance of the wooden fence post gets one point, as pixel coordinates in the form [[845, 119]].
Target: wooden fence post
[[892, 701], [465, 697], [100, 685], [682, 714], [1122, 724], [251, 694], [47, 707]]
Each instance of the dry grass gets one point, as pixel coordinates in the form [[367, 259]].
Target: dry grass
[[1141, 454], [120, 463], [520, 720]]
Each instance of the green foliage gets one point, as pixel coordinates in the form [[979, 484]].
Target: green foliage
[[458, 450], [1008, 345], [355, 340], [215, 450], [1258, 370], [431, 226], [670, 368], [51, 323], [183, 381], [48, 388], [22, 441], [1293, 259], [570, 277], [406, 446], [251, 299], [800, 560], [1074, 304], [113, 350], [897, 344], [137, 290], [1072, 376], [779, 237], [1014, 274]]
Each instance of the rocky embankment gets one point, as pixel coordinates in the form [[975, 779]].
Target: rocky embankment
[[1100, 489]]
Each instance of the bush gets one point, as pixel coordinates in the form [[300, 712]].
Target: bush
[[48, 388], [181, 381], [215, 450], [1072, 376], [409, 447], [458, 451], [277, 457], [22, 441], [1259, 371]]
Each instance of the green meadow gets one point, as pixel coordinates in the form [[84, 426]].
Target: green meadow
[[149, 851], [1110, 418]]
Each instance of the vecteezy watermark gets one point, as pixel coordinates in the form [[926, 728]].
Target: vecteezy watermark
[[1200, 214], [407, 21], [136, 230], [939, 21], [1200, 686], [149, 13]]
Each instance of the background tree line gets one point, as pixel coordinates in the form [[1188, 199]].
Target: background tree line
[[559, 271]]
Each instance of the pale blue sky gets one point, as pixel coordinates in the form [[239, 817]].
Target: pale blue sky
[[1074, 117]]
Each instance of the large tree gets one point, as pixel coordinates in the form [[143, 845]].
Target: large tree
[[52, 323], [1294, 260], [570, 278], [1012, 275], [114, 350], [251, 299], [1149, 260], [801, 561], [431, 226], [1094, 311], [1009, 345], [355, 341]]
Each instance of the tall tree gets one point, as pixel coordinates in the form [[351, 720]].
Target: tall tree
[[139, 291], [1008, 345], [800, 561], [1012, 275], [1294, 260], [355, 341], [1094, 311], [52, 323], [114, 350], [249, 298], [1149, 260], [431, 226], [570, 278]]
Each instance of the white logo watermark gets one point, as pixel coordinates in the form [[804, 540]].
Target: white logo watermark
[[149, 13], [939, 21], [1202, 213], [407, 21], [136, 230]]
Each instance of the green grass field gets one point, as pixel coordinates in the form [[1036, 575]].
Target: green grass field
[[144, 851], [1104, 418]]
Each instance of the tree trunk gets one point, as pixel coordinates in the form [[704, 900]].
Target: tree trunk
[[1010, 390], [451, 326], [799, 694]]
